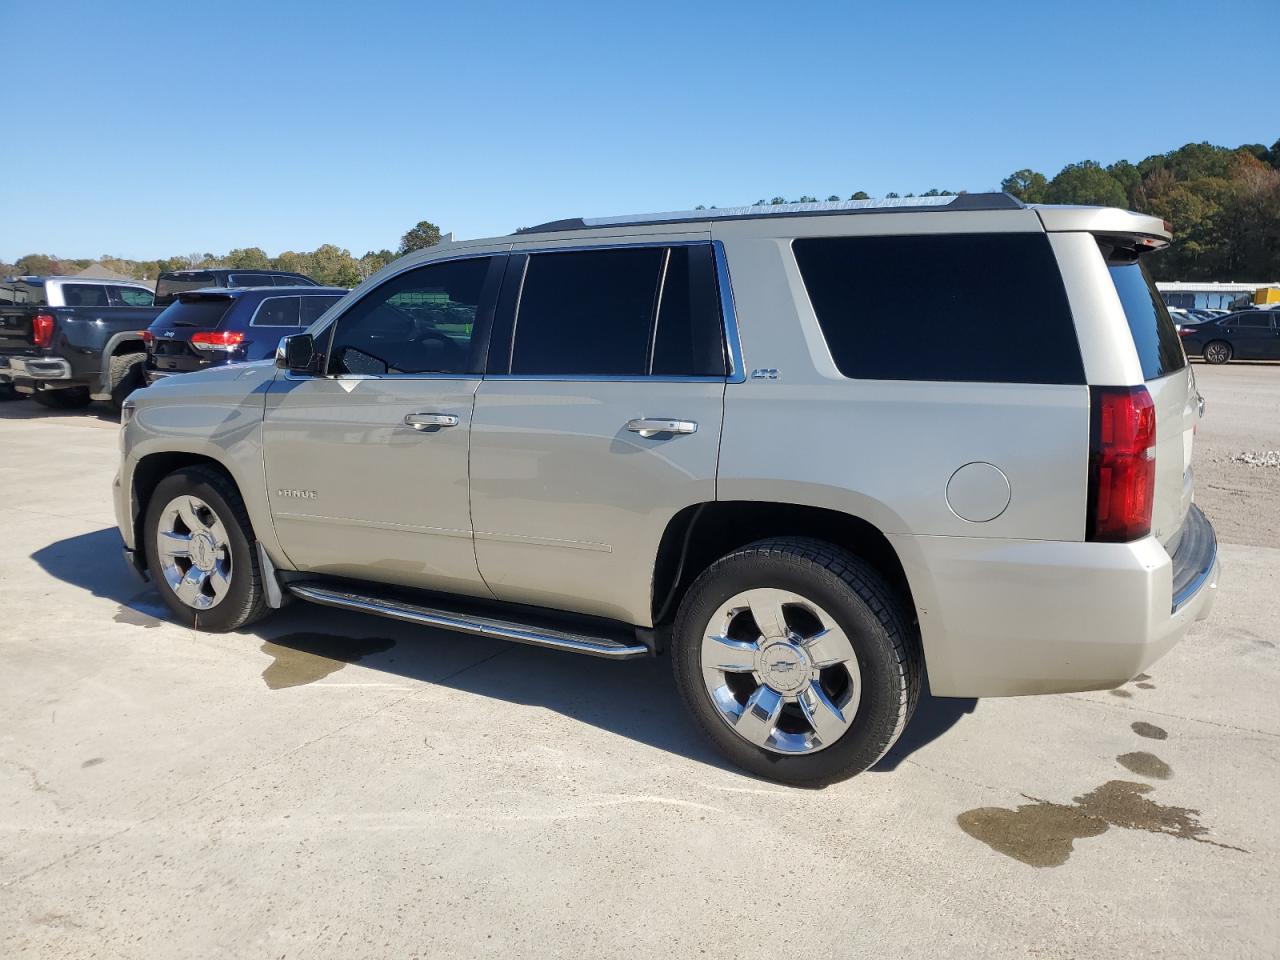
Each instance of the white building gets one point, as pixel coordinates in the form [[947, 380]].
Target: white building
[[1203, 293]]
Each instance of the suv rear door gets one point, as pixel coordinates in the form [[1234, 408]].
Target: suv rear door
[[598, 421], [366, 461]]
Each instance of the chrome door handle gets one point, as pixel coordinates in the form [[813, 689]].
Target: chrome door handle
[[648, 427], [425, 421]]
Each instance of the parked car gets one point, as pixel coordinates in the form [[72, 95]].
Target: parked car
[[1248, 335], [206, 328], [67, 341], [696, 432], [173, 282]]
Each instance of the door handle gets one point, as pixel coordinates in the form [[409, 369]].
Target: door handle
[[648, 427], [426, 421]]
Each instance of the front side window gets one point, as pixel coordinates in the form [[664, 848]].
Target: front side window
[[293, 280], [131, 297], [422, 321], [84, 295], [277, 312], [626, 312], [987, 308]]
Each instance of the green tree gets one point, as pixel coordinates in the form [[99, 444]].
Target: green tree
[[38, 265], [334, 265], [833, 197], [1086, 182], [247, 258], [422, 235], [861, 195], [1027, 185]]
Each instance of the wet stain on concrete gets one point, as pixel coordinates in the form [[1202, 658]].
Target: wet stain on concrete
[[92, 762], [1145, 765], [1146, 686], [302, 658], [1142, 676], [1043, 834], [135, 617], [1120, 693], [1149, 730]]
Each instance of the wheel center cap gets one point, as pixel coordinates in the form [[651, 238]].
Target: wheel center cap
[[785, 667], [204, 553]]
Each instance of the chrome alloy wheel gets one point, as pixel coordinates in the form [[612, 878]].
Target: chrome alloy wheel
[[780, 671], [194, 552], [1217, 353]]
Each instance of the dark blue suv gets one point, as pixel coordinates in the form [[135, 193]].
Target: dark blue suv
[[209, 327]]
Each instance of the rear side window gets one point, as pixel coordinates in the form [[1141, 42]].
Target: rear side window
[[1155, 335], [277, 312], [131, 297], [1255, 320], [313, 307], [987, 308], [84, 295], [623, 312]]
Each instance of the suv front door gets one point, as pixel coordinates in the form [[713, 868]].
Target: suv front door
[[598, 421], [366, 462]]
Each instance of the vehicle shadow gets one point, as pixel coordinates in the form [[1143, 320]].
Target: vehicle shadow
[[21, 407], [636, 699]]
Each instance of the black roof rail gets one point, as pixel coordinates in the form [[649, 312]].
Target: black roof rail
[[957, 202]]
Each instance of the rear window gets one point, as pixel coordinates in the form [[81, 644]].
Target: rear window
[[988, 308], [196, 313], [170, 285], [1155, 335]]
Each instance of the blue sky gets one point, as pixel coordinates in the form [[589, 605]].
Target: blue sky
[[146, 129]]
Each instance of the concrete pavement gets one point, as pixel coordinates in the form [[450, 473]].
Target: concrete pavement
[[328, 785]]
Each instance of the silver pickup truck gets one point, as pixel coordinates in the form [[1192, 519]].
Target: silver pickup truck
[[810, 450]]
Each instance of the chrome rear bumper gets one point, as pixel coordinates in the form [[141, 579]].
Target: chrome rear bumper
[[1195, 557]]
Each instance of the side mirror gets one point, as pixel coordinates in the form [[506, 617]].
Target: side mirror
[[297, 353]]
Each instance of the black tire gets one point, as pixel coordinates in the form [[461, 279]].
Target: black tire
[[245, 600], [69, 398], [125, 372], [1217, 351], [8, 393], [873, 616]]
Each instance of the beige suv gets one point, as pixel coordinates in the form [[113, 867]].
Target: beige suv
[[809, 449]]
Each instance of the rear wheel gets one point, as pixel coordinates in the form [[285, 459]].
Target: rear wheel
[[200, 551], [798, 660], [125, 373], [70, 398], [1217, 351]]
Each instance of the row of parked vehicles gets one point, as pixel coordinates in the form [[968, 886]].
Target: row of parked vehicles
[[67, 341], [1219, 335]]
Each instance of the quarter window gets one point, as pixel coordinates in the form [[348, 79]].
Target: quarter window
[[277, 312], [422, 321], [950, 307]]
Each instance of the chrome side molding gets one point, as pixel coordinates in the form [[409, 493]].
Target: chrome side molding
[[477, 626]]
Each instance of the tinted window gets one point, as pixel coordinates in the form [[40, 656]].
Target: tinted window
[[688, 340], [194, 311], [293, 280], [1154, 333], [84, 295], [587, 313], [313, 307], [130, 296], [421, 321], [1254, 320], [974, 307], [249, 280], [277, 312], [171, 284]]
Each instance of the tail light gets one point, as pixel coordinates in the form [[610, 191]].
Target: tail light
[[225, 340], [42, 329], [1184, 331], [148, 337], [1122, 463]]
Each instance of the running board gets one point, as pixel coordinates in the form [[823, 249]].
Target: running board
[[465, 623]]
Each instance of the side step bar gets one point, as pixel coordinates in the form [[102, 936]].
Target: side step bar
[[465, 623]]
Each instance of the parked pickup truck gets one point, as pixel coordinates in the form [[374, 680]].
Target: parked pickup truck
[[67, 341]]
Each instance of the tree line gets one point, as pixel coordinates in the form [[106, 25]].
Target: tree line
[[1223, 202]]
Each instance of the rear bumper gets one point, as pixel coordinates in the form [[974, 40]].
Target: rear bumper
[[35, 368], [1013, 617]]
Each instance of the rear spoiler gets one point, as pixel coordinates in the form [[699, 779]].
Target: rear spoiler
[[1140, 232]]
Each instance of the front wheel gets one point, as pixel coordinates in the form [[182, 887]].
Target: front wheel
[[1218, 351], [798, 660], [200, 551]]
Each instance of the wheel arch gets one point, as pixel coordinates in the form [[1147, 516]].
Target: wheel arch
[[147, 474], [700, 534]]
